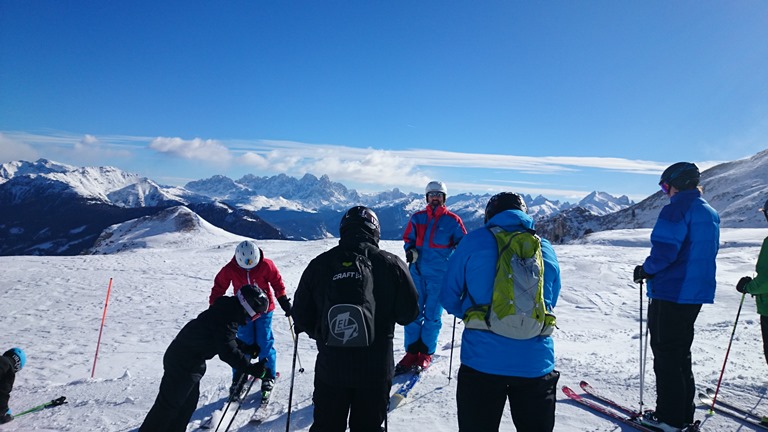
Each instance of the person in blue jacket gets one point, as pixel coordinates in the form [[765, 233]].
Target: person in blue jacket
[[496, 368], [681, 277], [430, 238]]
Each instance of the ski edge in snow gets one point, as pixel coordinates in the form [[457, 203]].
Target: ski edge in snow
[[594, 406], [594, 393], [732, 411]]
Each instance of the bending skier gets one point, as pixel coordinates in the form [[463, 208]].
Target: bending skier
[[11, 362], [211, 333]]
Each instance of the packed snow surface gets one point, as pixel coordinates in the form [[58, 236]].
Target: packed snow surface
[[52, 307]]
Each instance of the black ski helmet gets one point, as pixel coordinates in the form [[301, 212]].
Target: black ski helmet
[[504, 201], [253, 299], [682, 175], [363, 218]]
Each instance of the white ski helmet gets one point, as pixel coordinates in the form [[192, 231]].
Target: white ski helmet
[[247, 254], [436, 186]]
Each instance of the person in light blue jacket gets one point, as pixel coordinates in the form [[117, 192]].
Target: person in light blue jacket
[[495, 368], [681, 277]]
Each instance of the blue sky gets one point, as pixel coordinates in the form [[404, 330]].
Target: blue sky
[[558, 98]]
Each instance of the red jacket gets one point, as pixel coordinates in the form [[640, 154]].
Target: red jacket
[[265, 275]]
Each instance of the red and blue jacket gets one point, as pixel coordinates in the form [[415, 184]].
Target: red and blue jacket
[[434, 232]]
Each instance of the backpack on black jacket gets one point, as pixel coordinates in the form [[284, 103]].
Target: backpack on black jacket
[[347, 317]]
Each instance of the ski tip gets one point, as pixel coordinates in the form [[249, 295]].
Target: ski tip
[[395, 401], [570, 393]]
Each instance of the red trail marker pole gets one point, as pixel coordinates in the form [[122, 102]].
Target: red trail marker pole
[[101, 329]]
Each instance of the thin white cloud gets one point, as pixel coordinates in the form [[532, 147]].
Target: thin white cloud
[[197, 148], [12, 150], [408, 169]]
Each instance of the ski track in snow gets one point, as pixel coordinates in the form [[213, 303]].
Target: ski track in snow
[[52, 307]]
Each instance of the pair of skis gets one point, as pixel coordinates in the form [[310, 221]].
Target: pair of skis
[[733, 411], [613, 409], [261, 413]]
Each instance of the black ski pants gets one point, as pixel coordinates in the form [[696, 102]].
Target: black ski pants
[[481, 397], [178, 395], [671, 328], [366, 407]]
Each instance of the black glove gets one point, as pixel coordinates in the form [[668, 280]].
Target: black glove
[[411, 255], [258, 370], [285, 304], [250, 350], [640, 274], [741, 286], [6, 418]]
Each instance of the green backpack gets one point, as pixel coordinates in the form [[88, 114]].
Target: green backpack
[[517, 308]]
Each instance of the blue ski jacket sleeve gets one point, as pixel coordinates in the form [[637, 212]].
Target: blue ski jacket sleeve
[[473, 267], [684, 246]]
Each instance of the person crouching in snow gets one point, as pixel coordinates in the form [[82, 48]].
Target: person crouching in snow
[[250, 267], [211, 333], [11, 362]]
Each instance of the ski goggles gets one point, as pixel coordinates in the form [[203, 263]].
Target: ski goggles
[[665, 187], [434, 194]]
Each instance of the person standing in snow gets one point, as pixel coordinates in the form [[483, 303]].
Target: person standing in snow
[[250, 267], [681, 277], [354, 382], [430, 238], [11, 362], [496, 368], [758, 286], [211, 333]]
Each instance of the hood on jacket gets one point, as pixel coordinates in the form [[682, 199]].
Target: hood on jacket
[[511, 220]]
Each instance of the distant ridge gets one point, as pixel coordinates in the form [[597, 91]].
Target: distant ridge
[[48, 208]]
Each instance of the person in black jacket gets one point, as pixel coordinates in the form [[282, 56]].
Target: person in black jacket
[[11, 362], [355, 382], [211, 333]]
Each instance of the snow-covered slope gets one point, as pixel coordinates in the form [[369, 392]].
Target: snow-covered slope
[[52, 307], [175, 227]]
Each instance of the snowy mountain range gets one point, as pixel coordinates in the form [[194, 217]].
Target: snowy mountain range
[[49, 208], [737, 190]]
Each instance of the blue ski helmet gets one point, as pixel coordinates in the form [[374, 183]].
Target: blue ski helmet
[[18, 358]]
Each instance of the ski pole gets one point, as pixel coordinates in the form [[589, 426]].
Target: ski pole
[[54, 403], [238, 405], [642, 359], [290, 325], [293, 376], [450, 361], [240, 381], [101, 329], [717, 389]]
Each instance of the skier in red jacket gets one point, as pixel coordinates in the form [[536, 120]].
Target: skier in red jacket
[[250, 267]]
